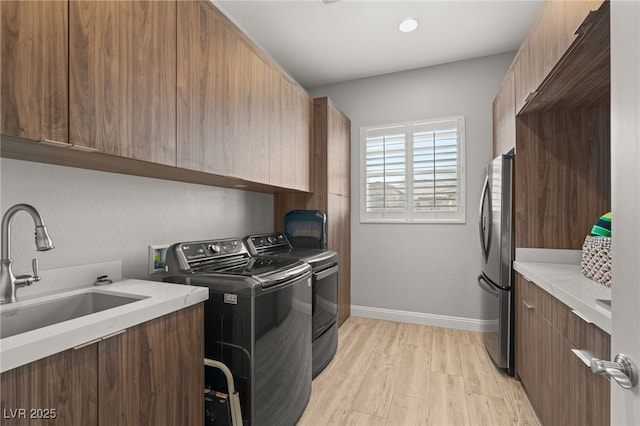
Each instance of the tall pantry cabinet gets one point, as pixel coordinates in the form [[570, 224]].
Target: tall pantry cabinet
[[330, 190]]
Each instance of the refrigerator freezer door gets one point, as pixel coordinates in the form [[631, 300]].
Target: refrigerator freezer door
[[497, 340], [495, 223]]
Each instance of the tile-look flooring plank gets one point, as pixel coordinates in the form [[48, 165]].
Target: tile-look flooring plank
[[395, 374]]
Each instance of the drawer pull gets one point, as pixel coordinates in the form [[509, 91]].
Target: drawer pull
[[584, 356], [528, 305], [582, 317], [91, 342]]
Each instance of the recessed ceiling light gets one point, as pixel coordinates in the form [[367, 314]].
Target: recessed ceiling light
[[408, 25]]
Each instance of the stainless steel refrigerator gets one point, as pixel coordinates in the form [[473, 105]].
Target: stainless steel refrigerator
[[496, 239]]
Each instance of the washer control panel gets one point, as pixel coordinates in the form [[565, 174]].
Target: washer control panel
[[266, 242], [206, 249]]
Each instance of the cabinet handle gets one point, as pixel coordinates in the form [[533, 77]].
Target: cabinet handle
[[584, 356], [530, 97], [108, 336], [528, 305], [55, 143], [582, 317], [91, 342]]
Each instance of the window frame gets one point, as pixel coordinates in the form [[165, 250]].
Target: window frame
[[410, 216]]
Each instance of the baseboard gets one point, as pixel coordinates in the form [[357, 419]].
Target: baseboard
[[420, 318]]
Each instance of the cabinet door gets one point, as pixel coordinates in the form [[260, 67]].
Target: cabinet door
[[289, 134], [301, 130], [529, 65], [339, 239], [339, 151], [153, 374], [207, 96], [35, 72], [250, 80], [123, 78], [58, 390], [504, 117], [534, 348], [564, 17]]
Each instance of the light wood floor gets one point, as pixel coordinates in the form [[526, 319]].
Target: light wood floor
[[390, 373]]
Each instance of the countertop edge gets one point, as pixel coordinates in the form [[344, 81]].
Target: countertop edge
[[162, 299], [567, 284]]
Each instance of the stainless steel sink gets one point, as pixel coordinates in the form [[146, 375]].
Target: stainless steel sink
[[16, 320]]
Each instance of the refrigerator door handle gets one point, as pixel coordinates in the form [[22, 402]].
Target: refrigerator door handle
[[487, 287], [485, 222]]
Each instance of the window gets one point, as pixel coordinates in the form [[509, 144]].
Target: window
[[413, 172]]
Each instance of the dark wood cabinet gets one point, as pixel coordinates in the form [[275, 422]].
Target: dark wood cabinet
[[330, 171], [58, 390], [34, 78], [561, 387], [166, 89], [238, 115], [152, 374], [550, 37], [122, 78], [504, 116], [290, 131]]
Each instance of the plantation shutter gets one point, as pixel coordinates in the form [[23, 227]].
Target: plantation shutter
[[435, 167], [413, 172], [385, 174]]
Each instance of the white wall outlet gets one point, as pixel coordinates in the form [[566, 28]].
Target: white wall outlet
[[157, 258]]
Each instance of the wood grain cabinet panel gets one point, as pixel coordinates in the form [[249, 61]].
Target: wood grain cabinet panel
[[290, 135], [150, 375], [330, 170], [62, 387], [561, 388], [153, 374], [339, 152], [122, 80], [562, 176], [250, 82], [548, 40], [35, 74], [504, 116], [207, 90], [339, 213]]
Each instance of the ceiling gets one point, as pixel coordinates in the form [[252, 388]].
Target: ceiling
[[322, 43]]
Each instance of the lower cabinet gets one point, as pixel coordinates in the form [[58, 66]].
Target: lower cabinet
[[152, 374], [561, 387]]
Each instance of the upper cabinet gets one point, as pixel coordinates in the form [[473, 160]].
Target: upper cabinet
[[167, 89], [504, 116], [562, 176], [123, 78], [556, 28], [237, 114], [338, 130], [289, 134], [206, 98], [34, 42]]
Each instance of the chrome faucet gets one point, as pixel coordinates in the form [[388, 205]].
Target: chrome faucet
[[9, 282]]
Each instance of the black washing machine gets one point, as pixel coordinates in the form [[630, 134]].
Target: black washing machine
[[324, 264], [257, 322]]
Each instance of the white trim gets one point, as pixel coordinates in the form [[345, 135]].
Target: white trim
[[409, 215], [459, 323]]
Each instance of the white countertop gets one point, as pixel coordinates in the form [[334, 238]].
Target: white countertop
[[564, 281], [161, 299]]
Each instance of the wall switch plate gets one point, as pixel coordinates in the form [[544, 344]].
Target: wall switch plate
[[157, 258]]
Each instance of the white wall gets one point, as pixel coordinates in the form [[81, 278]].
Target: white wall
[[426, 270], [96, 216]]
